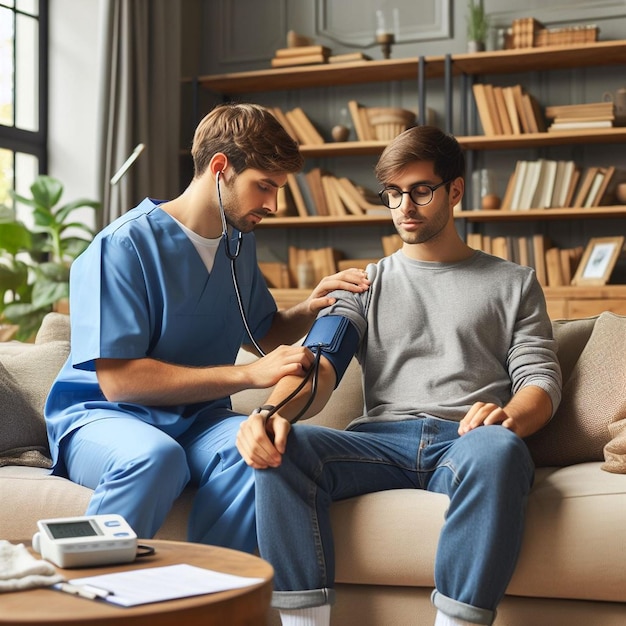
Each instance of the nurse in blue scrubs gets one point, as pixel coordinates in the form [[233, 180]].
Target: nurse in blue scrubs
[[159, 306]]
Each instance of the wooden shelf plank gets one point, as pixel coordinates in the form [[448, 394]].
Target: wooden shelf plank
[[537, 140], [316, 221], [541, 214], [542, 58], [322, 75]]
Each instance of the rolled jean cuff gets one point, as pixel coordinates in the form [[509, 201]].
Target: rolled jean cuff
[[302, 599], [460, 610]]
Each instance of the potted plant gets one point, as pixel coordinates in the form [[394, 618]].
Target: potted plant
[[477, 26], [35, 262]]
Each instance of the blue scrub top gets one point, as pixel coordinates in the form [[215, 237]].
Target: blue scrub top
[[141, 290]]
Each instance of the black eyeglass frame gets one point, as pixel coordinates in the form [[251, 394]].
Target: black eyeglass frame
[[432, 188]]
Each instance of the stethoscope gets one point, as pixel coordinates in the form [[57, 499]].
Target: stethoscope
[[313, 371], [233, 257], [229, 253]]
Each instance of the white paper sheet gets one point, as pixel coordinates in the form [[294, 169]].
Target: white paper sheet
[[157, 584]]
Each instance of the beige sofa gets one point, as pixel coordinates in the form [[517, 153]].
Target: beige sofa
[[572, 568]]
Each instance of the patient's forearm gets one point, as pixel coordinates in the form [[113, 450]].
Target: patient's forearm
[[323, 390]]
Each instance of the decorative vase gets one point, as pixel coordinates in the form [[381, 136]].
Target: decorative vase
[[475, 46]]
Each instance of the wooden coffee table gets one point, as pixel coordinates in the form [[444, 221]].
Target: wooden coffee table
[[239, 607]]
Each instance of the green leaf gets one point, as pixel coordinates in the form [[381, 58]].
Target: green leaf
[[47, 191], [14, 237]]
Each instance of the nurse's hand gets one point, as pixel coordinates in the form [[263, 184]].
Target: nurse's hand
[[262, 442], [352, 279], [283, 361]]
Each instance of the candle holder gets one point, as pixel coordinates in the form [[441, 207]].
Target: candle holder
[[385, 40]]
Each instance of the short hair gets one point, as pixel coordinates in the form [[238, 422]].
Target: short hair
[[249, 135], [422, 143]]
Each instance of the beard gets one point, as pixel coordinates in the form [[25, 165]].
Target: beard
[[426, 231]]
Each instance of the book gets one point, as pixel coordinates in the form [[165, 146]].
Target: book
[[572, 187], [503, 112], [302, 125], [545, 187], [493, 109], [296, 194], [556, 126], [531, 182], [276, 274], [585, 184], [349, 201], [391, 244], [562, 176], [509, 100], [357, 120], [596, 183], [484, 113], [540, 243], [518, 97], [519, 174], [554, 270], [314, 180], [613, 177], [296, 51], [333, 201], [367, 204], [309, 59], [286, 124]]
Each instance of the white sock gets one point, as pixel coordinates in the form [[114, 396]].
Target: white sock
[[313, 616], [446, 620]]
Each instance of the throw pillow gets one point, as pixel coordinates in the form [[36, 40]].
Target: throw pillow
[[594, 396], [26, 373], [23, 439]]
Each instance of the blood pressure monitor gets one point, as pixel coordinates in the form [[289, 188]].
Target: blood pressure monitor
[[86, 541]]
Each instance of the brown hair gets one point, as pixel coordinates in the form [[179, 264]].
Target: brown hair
[[422, 143], [249, 135]]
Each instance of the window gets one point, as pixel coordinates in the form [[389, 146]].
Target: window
[[23, 94]]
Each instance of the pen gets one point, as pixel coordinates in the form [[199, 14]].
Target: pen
[[83, 591]]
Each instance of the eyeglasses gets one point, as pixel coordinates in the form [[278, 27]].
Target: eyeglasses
[[420, 194]]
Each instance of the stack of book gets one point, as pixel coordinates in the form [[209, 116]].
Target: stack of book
[[301, 55], [317, 263], [541, 184], [507, 110], [553, 266], [570, 35], [528, 32], [598, 186], [576, 116], [298, 125], [524, 32], [551, 184], [317, 192]]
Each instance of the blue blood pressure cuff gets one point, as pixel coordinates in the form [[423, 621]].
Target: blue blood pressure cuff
[[337, 338]]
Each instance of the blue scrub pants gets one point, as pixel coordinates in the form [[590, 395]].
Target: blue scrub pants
[[138, 471], [487, 474]]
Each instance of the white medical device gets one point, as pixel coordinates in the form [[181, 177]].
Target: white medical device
[[86, 541]]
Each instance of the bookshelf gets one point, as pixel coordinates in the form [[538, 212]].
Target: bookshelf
[[468, 66]]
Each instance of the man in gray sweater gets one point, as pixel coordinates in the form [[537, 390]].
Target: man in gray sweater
[[458, 364]]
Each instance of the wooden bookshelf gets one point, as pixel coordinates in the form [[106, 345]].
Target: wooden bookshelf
[[563, 302], [532, 215]]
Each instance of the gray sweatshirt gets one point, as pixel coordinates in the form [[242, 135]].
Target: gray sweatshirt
[[437, 337]]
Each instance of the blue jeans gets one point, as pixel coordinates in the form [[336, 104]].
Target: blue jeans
[[487, 474]]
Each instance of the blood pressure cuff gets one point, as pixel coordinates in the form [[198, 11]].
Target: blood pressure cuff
[[337, 338]]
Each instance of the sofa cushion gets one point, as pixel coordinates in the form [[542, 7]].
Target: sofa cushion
[[26, 373], [594, 396], [22, 429]]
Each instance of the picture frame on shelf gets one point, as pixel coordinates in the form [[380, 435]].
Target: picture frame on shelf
[[598, 260]]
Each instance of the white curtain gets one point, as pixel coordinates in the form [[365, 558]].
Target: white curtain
[[139, 101]]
